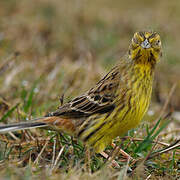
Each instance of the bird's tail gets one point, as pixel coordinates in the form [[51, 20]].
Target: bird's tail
[[53, 122], [23, 125]]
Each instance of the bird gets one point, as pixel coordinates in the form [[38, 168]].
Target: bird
[[114, 105]]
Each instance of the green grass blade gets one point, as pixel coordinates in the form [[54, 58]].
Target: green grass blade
[[160, 129], [147, 140], [30, 99], [8, 113]]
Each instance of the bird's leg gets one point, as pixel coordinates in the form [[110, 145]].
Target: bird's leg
[[126, 155], [108, 158], [114, 153]]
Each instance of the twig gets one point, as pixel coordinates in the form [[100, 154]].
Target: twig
[[36, 161], [54, 152], [175, 145], [5, 65], [124, 176], [14, 137], [140, 139], [167, 101], [23, 143], [57, 159], [148, 177], [170, 132]]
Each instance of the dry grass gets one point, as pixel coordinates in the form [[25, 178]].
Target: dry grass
[[51, 48]]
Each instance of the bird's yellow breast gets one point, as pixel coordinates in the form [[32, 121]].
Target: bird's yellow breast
[[128, 112], [138, 99]]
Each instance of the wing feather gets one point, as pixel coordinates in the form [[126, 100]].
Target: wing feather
[[99, 99]]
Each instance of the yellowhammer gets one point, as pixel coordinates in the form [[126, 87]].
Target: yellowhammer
[[114, 105]]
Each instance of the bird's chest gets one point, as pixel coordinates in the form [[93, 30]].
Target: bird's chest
[[133, 102], [141, 91]]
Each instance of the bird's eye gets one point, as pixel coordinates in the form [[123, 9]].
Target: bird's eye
[[135, 40], [157, 43]]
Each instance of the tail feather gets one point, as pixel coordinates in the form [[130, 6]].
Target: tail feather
[[54, 123], [23, 125]]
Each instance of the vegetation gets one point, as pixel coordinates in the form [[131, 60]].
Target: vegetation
[[47, 48]]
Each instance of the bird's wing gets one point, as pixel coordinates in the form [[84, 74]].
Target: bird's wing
[[99, 99]]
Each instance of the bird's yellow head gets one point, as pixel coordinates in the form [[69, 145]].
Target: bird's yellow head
[[145, 47]]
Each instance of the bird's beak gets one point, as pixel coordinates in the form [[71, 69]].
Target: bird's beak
[[145, 44]]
